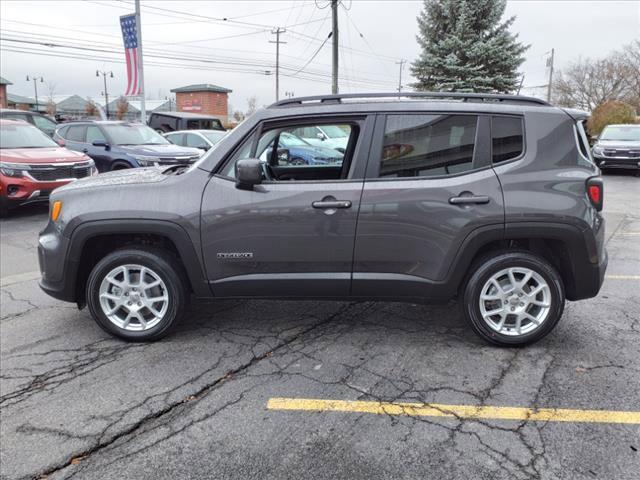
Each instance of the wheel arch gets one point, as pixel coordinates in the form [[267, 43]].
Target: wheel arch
[[91, 241], [565, 246]]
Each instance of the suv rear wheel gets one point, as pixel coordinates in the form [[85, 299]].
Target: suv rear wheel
[[513, 298], [137, 294]]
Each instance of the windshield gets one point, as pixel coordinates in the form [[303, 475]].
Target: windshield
[[213, 137], [334, 131], [24, 136], [625, 133], [289, 140], [123, 134]]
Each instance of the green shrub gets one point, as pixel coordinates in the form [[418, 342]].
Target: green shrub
[[608, 113]]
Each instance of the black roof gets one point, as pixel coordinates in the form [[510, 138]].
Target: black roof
[[194, 116]]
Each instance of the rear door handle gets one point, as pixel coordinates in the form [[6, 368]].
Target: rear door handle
[[332, 204], [462, 200]]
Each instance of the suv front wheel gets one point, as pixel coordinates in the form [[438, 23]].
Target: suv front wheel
[[137, 294], [513, 298]]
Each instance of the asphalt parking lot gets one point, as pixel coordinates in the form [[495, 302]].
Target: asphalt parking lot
[[254, 389]]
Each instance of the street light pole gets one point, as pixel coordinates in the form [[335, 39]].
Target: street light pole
[[35, 87], [106, 93]]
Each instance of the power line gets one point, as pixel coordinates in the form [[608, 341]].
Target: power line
[[313, 56]]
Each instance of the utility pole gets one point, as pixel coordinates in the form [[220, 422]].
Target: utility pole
[[35, 87], [143, 110], [550, 65], [334, 76], [277, 33], [106, 93], [401, 63]]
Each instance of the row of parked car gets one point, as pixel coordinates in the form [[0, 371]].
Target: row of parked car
[[38, 155]]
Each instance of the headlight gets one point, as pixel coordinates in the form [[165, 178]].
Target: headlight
[[598, 150], [92, 166], [146, 160], [13, 169]]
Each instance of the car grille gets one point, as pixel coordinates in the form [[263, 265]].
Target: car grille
[[51, 173], [610, 152]]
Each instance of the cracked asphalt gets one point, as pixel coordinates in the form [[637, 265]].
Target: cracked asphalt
[[76, 403]]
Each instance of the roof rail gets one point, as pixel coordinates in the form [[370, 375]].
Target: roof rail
[[465, 97]]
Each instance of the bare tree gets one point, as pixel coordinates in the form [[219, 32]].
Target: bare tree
[[252, 105], [122, 107], [588, 83], [91, 109], [238, 116], [631, 56], [51, 104]]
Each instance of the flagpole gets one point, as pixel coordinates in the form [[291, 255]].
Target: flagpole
[[143, 111]]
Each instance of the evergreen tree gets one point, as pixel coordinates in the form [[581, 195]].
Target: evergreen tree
[[465, 47]]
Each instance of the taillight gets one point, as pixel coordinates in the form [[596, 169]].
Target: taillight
[[595, 192]]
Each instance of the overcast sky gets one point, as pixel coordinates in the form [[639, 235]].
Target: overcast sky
[[236, 52]]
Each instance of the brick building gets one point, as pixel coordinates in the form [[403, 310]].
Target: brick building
[[203, 98], [3, 92]]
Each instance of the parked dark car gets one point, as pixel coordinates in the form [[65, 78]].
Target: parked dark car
[[117, 145], [164, 122], [44, 123], [492, 199], [618, 147]]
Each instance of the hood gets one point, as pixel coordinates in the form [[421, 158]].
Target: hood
[[619, 144], [41, 155], [161, 151], [319, 151], [132, 176]]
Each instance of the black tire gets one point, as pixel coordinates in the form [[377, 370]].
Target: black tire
[[120, 166], [489, 265], [165, 266], [297, 161], [4, 208]]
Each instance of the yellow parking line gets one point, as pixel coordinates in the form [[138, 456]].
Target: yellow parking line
[[622, 277], [458, 411]]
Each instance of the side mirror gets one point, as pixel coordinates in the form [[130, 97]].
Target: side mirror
[[100, 143], [248, 173], [283, 156], [321, 136], [61, 142]]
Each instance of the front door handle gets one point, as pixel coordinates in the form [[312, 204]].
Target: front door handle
[[463, 200], [85, 150], [329, 204]]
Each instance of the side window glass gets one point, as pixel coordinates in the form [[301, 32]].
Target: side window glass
[[195, 141], [76, 133], [507, 138], [93, 134], [176, 138], [44, 124], [287, 156], [428, 145], [243, 152]]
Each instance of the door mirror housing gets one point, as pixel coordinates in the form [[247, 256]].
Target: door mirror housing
[[321, 136], [61, 142], [248, 173], [283, 156], [100, 143]]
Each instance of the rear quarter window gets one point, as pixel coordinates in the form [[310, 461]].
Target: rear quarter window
[[507, 138]]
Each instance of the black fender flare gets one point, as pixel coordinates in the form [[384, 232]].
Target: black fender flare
[[163, 228]]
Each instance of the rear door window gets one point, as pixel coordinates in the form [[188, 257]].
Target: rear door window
[[507, 138], [76, 133], [428, 145]]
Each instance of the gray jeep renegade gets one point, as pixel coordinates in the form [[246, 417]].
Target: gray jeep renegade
[[493, 199]]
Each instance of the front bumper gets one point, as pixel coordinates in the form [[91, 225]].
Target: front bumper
[[617, 162], [17, 191], [56, 270]]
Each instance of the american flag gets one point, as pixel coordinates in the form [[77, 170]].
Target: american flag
[[130, 37]]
